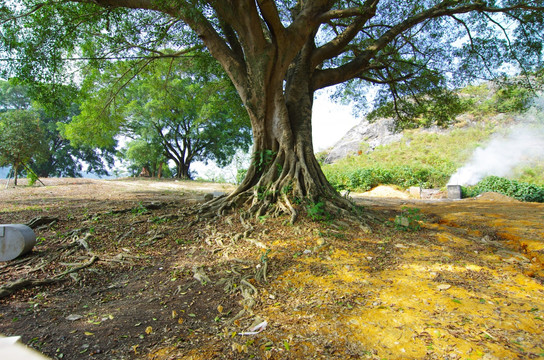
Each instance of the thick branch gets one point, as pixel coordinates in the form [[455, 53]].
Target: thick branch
[[244, 18], [338, 44], [271, 17], [349, 12], [328, 77], [306, 22], [230, 34]]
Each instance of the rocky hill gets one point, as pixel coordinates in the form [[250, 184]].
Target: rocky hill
[[380, 132]]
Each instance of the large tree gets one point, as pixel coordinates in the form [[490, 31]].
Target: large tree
[[279, 53], [187, 106], [21, 139], [54, 106]]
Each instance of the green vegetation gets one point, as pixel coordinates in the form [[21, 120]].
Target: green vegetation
[[50, 105], [428, 159], [420, 159], [483, 100], [180, 110], [516, 189], [409, 219], [20, 138]]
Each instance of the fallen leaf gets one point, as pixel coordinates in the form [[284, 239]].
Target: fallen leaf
[[89, 333], [148, 330], [174, 314], [73, 317], [180, 321], [220, 309]]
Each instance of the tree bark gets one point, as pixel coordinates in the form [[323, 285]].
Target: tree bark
[[15, 173], [284, 170], [182, 170]]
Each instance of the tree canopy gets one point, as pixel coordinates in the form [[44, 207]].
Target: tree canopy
[[21, 139], [57, 156], [278, 53], [180, 109]]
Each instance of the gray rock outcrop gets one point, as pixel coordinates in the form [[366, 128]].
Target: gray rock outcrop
[[380, 132]]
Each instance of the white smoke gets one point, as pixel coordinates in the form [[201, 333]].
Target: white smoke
[[522, 144]]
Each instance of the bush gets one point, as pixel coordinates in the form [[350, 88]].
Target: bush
[[364, 179], [518, 190]]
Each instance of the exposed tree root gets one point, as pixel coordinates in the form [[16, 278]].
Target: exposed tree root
[[252, 204], [12, 287], [291, 183], [64, 251], [41, 221], [249, 293]]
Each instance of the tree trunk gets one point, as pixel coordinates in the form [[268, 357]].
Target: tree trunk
[[182, 170], [284, 170], [274, 81], [15, 173]]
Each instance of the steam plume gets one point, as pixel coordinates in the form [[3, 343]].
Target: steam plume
[[522, 144]]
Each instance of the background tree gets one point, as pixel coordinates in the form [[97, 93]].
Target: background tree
[[21, 139], [53, 105], [279, 53], [186, 106], [141, 153]]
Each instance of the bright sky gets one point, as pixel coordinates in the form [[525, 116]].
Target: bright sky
[[330, 122]]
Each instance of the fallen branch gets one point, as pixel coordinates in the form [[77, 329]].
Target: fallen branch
[[19, 284]]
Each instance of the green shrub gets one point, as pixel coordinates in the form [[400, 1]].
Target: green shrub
[[518, 190], [364, 179]]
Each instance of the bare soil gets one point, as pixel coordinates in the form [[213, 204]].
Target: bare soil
[[463, 280]]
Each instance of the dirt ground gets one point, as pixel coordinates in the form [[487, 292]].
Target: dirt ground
[[137, 275]]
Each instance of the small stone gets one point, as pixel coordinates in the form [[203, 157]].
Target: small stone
[[443, 287], [73, 317]]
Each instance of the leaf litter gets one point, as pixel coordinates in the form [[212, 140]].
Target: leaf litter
[[468, 284]]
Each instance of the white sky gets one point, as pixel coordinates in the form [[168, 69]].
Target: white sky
[[330, 122]]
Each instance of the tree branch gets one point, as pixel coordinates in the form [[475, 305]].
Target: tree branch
[[336, 46], [333, 76], [30, 12], [349, 12], [271, 17]]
